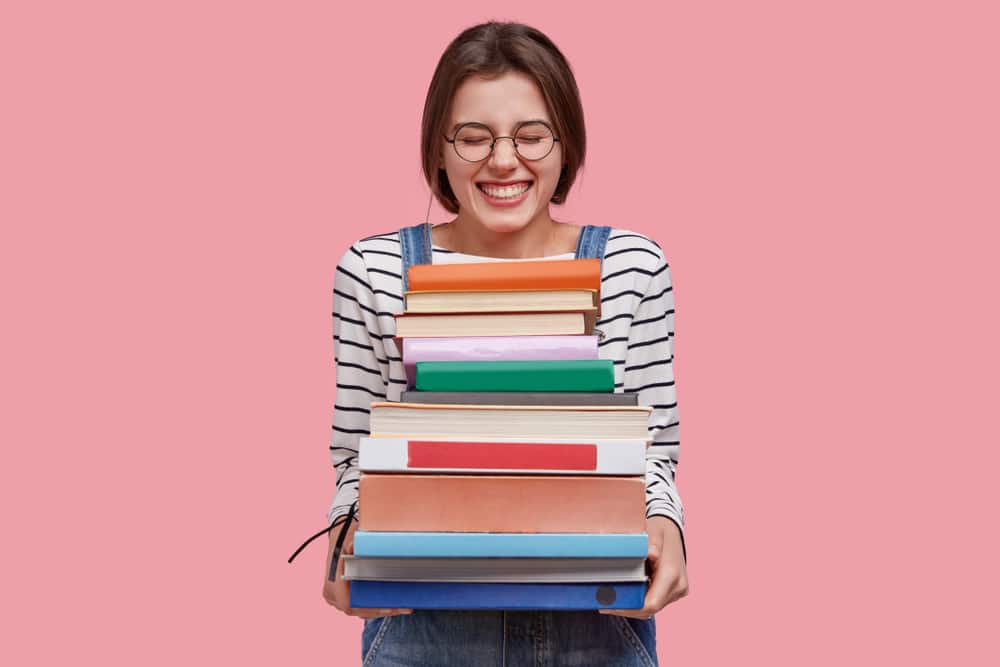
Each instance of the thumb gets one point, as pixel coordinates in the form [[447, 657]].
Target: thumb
[[655, 545], [348, 544]]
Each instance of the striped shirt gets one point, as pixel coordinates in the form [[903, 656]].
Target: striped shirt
[[637, 320]]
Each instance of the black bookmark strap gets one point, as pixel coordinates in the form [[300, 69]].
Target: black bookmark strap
[[344, 523], [340, 541]]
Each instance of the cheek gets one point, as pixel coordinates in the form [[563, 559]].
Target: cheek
[[460, 179], [459, 173], [552, 169], [551, 177]]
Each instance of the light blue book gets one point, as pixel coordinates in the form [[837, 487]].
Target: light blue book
[[495, 545], [435, 595]]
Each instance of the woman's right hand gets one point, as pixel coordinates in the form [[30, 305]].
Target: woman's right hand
[[338, 592]]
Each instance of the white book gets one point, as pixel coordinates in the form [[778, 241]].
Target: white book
[[521, 456]]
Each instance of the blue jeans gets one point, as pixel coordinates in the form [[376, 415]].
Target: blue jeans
[[446, 638]]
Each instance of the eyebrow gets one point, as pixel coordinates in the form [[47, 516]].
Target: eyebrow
[[522, 122]]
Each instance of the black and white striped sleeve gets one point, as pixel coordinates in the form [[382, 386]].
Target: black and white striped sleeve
[[649, 371], [362, 372]]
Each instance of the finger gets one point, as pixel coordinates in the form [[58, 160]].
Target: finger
[[348, 546], [676, 589], [364, 612], [655, 546], [341, 589], [658, 592], [340, 567]]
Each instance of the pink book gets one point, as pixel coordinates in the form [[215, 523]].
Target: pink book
[[501, 503], [495, 348]]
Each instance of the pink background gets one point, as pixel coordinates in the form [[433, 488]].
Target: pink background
[[177, 180]]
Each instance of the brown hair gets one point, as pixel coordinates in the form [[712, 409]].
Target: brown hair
[[491, 50]]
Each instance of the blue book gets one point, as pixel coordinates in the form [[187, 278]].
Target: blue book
[[499, 545], [455, 595]]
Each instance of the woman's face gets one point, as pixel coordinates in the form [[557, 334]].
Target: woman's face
[[501, 104]]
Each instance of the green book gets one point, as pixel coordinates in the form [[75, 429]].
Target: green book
[[593, 375]]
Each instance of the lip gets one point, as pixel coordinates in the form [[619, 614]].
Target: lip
[[504, 203]]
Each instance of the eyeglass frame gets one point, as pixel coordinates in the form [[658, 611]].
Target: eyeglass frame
[[513, 139]]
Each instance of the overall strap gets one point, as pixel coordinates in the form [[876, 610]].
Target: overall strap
[[415, 248], [591, 242]]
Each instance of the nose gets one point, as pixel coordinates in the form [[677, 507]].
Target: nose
[[504, 154]]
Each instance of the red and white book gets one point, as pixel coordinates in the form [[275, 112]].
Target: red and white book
[[523, 456]]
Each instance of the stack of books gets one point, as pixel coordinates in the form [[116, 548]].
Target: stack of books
[[510, 475]]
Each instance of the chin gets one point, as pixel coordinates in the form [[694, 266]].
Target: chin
[[503, 226], [501, 222]]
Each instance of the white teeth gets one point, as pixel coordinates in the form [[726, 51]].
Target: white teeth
[[505, 192]]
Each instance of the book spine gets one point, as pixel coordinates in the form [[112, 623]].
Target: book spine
[[502, 504], [495, 348], [501, 455], [451, 595], [607, 457], [496, 570], [484, 422], [556, 274], [535, 323], [511, 545], [558, 398], [582, 375]]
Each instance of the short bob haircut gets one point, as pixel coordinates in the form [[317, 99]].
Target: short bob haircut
[[490, 50]]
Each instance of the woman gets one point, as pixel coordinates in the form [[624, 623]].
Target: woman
[[502, 139]]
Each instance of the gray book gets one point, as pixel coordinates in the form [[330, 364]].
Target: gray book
[[520, 398], [496, 570]]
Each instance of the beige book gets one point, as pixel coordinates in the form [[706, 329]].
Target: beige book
[[447, 421], [474, 301], [427, 325]]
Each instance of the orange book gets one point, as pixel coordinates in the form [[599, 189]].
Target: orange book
[[532, 275], [502, 503]]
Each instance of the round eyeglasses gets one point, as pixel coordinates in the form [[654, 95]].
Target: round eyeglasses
[[474, 142]]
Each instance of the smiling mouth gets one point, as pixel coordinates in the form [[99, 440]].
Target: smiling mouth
[[507, 191]]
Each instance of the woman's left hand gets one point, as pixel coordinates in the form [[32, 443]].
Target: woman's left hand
[[666, 555]]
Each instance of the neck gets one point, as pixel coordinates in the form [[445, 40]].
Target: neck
[[539, 238]]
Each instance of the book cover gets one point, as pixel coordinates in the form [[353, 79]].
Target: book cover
[[496, 570], [502, 503], [452, 595], [543, 274], [553, 398], [593, 375], [511, 545], [522, 457]]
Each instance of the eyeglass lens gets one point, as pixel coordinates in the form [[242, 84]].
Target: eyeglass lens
[[533, 141]]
